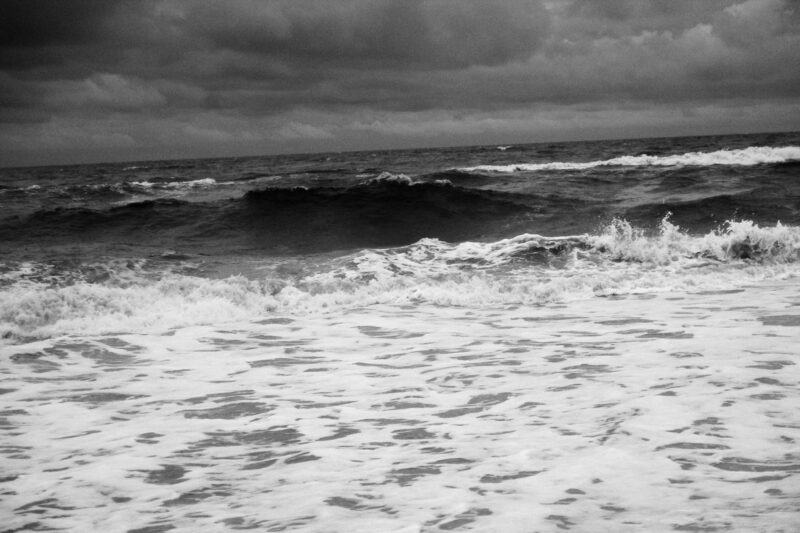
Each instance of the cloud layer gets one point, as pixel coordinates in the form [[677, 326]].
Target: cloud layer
[[125, 79]]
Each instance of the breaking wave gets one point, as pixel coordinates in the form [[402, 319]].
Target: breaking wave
[[525, 270], [755, 155]]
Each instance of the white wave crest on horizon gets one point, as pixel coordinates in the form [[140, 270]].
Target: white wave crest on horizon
[[402, 179], [754, 155], [619, 260]]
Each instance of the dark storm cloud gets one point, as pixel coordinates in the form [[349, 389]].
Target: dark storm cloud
[[35, 23], [383, 33], [55, 33], [271, 73], [264, 56]]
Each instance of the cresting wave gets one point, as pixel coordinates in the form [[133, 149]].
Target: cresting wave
[[755, 155], [524, 270]]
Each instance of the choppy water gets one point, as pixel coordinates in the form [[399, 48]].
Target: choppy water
[[595, 336]]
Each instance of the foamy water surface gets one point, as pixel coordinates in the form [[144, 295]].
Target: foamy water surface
[[653, 412]]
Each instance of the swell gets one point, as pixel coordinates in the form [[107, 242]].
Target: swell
[[134, 221], [379, 212], [384, 212]]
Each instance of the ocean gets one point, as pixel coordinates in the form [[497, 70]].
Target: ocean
[[588, 336]]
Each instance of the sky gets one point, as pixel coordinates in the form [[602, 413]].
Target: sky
[[123, 80]]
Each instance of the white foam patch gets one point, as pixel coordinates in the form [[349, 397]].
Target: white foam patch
[[674, 411], [754, 155], [191, 184]]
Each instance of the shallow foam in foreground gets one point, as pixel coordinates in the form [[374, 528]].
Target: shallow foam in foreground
[[639, 413]]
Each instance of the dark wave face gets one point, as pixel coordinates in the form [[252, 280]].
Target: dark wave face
[[376, 213]]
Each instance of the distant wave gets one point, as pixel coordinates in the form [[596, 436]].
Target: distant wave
[[120, 188], [384, 211], [525, 270], [755, 155]]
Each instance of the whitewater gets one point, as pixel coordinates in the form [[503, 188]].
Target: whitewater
[[596, 336]]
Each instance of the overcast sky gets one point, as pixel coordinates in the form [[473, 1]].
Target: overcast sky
[[95, 80]]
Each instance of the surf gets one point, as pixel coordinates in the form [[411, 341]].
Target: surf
[[528, 269]]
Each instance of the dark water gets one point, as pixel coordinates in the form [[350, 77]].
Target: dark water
[[340, 202]]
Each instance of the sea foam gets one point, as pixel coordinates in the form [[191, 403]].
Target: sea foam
[[672, 412]]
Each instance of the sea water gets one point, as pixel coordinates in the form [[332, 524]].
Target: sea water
[[580, 336]]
